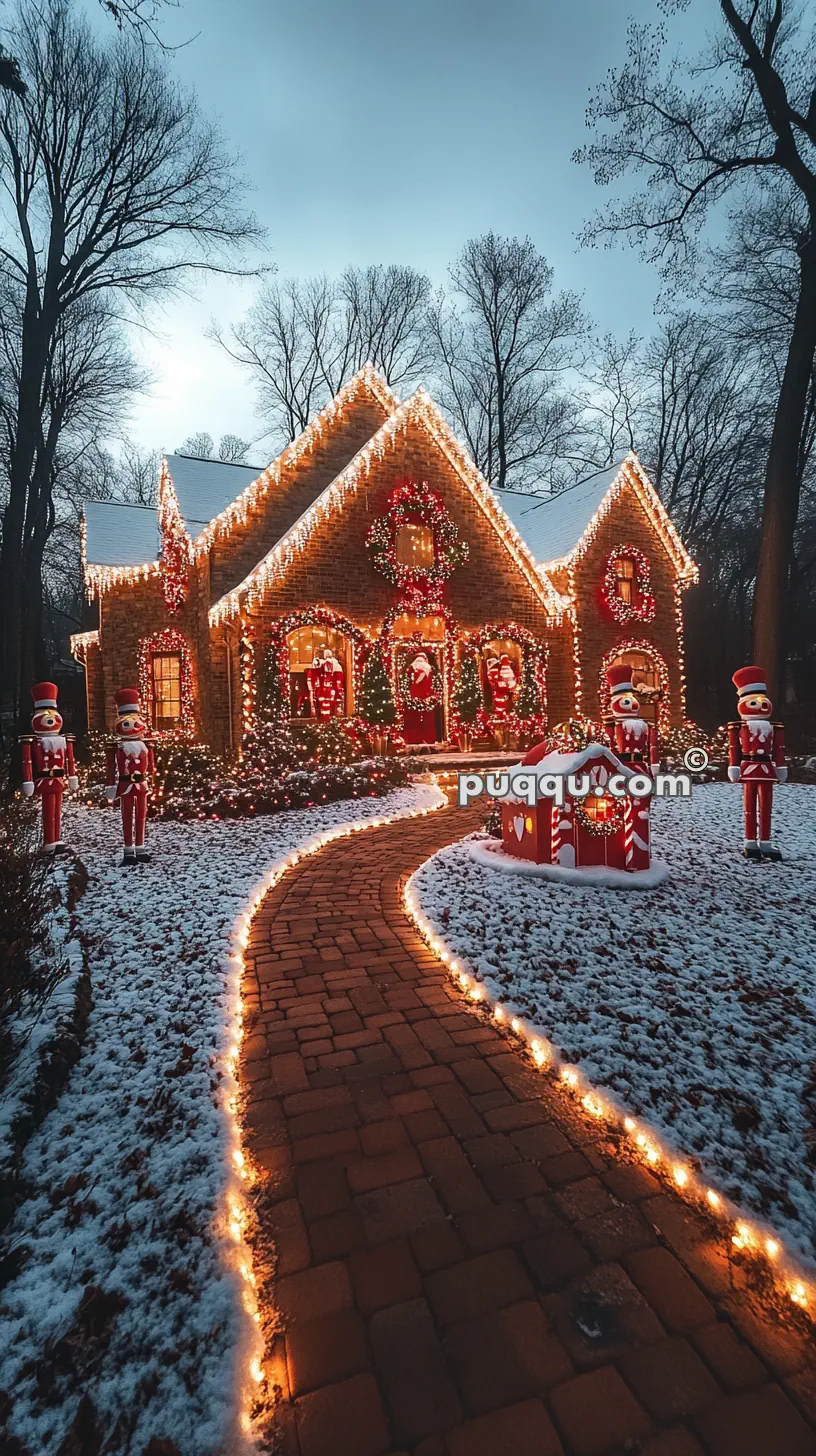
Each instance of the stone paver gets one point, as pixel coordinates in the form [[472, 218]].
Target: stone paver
[[463, 1265]]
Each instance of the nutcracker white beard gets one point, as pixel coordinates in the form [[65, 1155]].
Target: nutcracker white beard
[[132, 747], [51, 742]]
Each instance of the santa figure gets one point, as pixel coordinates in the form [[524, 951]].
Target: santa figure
[[756, 759], [503, 682], [327, 685], [420, 722], [129, 766], [634, 740], [48, 761]]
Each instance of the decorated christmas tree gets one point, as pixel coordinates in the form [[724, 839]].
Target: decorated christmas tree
[[528, 703], [376, 700], [467, 694]]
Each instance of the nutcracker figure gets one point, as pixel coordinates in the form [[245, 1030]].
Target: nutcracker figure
[[635, 741], [502, 680], [129, 765], [48, 760], [756, 759]]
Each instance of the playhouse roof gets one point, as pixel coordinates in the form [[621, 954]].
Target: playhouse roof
[[573, 763]]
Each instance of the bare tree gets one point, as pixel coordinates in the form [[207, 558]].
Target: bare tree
[[303, 339], [737, 122], [505, 351], [231, 448], [114, 188]]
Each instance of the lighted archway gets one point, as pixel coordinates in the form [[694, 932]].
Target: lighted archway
[[649, 670]]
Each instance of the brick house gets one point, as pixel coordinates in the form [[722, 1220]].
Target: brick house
[[188, 597]]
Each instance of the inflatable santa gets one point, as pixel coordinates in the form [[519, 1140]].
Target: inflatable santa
[[420, 701], [327, 685], [503, 682], [634, 740], [756, 759], [48, 762], [129, 766]]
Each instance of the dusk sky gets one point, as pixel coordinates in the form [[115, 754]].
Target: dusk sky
[[373, 132]]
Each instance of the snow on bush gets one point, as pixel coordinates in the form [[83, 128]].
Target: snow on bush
[[125, 1298], [694, 1001]]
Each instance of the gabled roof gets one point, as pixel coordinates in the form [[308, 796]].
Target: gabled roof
[[559, 528], [212, 496], [419, 410]]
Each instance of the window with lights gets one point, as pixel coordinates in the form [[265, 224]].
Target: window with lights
[[414, 546], [166, 696]]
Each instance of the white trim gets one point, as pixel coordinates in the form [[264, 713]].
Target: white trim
[[759, 687]]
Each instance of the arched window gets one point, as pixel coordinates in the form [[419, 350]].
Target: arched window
[[625, 579], [498, 647], [414, 546], [306, 646]]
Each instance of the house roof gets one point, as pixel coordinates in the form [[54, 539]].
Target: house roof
[[120, 535], [421, 410], [559, 528], [204, 488], [553, 525]]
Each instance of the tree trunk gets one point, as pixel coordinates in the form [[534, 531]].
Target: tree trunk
[[780, 507]]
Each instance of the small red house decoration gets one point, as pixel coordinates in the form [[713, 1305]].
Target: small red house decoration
[[594, 830]]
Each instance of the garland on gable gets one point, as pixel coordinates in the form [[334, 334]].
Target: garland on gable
[[176, 549], [413, 502], [642, 606]]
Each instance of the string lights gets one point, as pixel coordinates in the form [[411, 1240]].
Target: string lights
[[638, 645], [642, 606], [419, 410], [746, 1236], [236, 1213], [80, 644], [176, 549], [413, 502], [167, 641]]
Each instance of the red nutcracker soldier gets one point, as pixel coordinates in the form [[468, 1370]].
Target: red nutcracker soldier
[[634, 740], [503, 682], [129, 764], [48, 760], [756, 759]]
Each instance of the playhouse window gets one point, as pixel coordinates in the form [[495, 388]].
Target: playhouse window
[[625, 579], [414, 546], [166, 668]]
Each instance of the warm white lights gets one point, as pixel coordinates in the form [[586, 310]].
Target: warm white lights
[[647, 1144]]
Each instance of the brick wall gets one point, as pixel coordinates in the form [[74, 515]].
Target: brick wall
[[94, 688], [599, 632]]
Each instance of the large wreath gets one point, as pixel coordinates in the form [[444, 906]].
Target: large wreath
[[642, 607], [600, 828], [411, 502], [407, 693]]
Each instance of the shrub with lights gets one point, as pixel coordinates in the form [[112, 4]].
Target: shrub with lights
[[468, 699], [376, 699]]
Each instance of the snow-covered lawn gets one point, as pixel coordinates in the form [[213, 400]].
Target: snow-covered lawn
[[694, 1002], [128, 1296]]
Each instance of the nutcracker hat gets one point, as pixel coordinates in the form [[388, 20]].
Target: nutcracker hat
[[44, 695], [127, 701], [619, 679], [748, 680]]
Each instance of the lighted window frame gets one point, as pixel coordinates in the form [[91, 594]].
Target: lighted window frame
[[625, 579], [304, 643], [414, 546], [165, 674]]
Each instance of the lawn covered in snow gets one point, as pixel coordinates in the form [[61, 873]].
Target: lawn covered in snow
[[694, 1001], [126, 1296]]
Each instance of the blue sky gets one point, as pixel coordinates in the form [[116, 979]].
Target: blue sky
[[374, 132]]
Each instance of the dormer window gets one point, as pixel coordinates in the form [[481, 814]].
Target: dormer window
[[414, 546]]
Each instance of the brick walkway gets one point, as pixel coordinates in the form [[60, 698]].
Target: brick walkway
[[464, 1268]]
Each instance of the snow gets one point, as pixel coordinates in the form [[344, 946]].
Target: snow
[[602, 876], [130, 1173], [553, 525], [694, 1005], [204, 488], [33, 1031], [119, 534]]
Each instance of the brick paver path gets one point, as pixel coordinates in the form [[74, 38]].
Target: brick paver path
[[464, 1266]]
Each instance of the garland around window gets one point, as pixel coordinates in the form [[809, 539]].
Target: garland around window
[[411, 502], [642, 606]]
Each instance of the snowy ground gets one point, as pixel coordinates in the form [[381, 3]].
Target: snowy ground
[[695, 1002], [126, 1296]]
